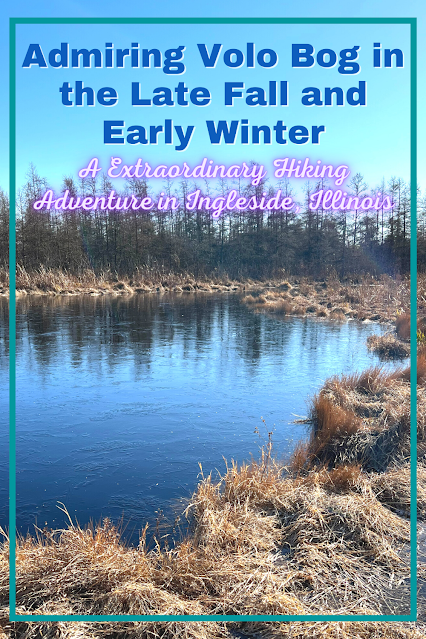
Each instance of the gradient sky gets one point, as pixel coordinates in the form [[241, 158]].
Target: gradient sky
[[373, 140]]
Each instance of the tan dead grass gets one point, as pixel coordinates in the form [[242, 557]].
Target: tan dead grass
[[331, 420], [262, 542], [367, 298], [402, 326], [337, 314], [364, 418], [339, 630], [393, 489], [60, 282], [387, 346]]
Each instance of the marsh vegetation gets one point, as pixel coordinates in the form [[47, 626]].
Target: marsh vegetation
[[325, 531]]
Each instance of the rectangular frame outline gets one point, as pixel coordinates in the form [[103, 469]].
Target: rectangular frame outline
[[413, 313]]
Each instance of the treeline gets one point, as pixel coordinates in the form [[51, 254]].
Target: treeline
[[254, 244]]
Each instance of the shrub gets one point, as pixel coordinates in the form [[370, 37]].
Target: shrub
[[402, 326], [331, 421], [387, 346]]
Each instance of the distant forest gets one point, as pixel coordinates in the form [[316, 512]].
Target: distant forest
[[255, 244]]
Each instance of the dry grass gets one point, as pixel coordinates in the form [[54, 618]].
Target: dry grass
[[299, 459], [336, 630], [283, 306], [364, 418], [321, 312], [387, 346], [280, 303], [393, 489], [337, 314], [371, 381], [60, 282], [262, 542], [379, 300], [344, 478], [402, 326], [383, 299], [421, 367], [331, 421]]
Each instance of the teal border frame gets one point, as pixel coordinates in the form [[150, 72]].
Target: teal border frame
[[412, 22]]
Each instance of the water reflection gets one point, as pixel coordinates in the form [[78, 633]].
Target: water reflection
[[119, 399]]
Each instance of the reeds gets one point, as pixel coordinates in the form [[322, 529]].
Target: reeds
[[379, 300], [331, 420], [262, 542], [402, 326], [388, 347], [61, 282]]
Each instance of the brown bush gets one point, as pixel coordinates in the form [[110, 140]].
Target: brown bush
[[402, 326], [387, 346], [344, 478], [421, 369], [331, 421], [282, 306], [370, 381]]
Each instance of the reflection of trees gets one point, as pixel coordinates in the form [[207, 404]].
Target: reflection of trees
[[99, 330], [4, 331]]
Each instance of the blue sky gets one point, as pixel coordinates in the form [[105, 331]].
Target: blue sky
[[373, 140]]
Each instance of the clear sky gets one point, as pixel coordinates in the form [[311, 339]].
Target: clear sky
[[372, 139]]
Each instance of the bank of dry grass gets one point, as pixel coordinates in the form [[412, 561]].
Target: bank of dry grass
[[367, 298], [324, 535], [45, 281], [384, 299], [263, 541], [365, 418], [388, 346]]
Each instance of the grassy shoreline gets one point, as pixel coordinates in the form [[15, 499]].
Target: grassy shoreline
[[44, 281], [365, 295], [325, 533], [322, 535], [366, 299]]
